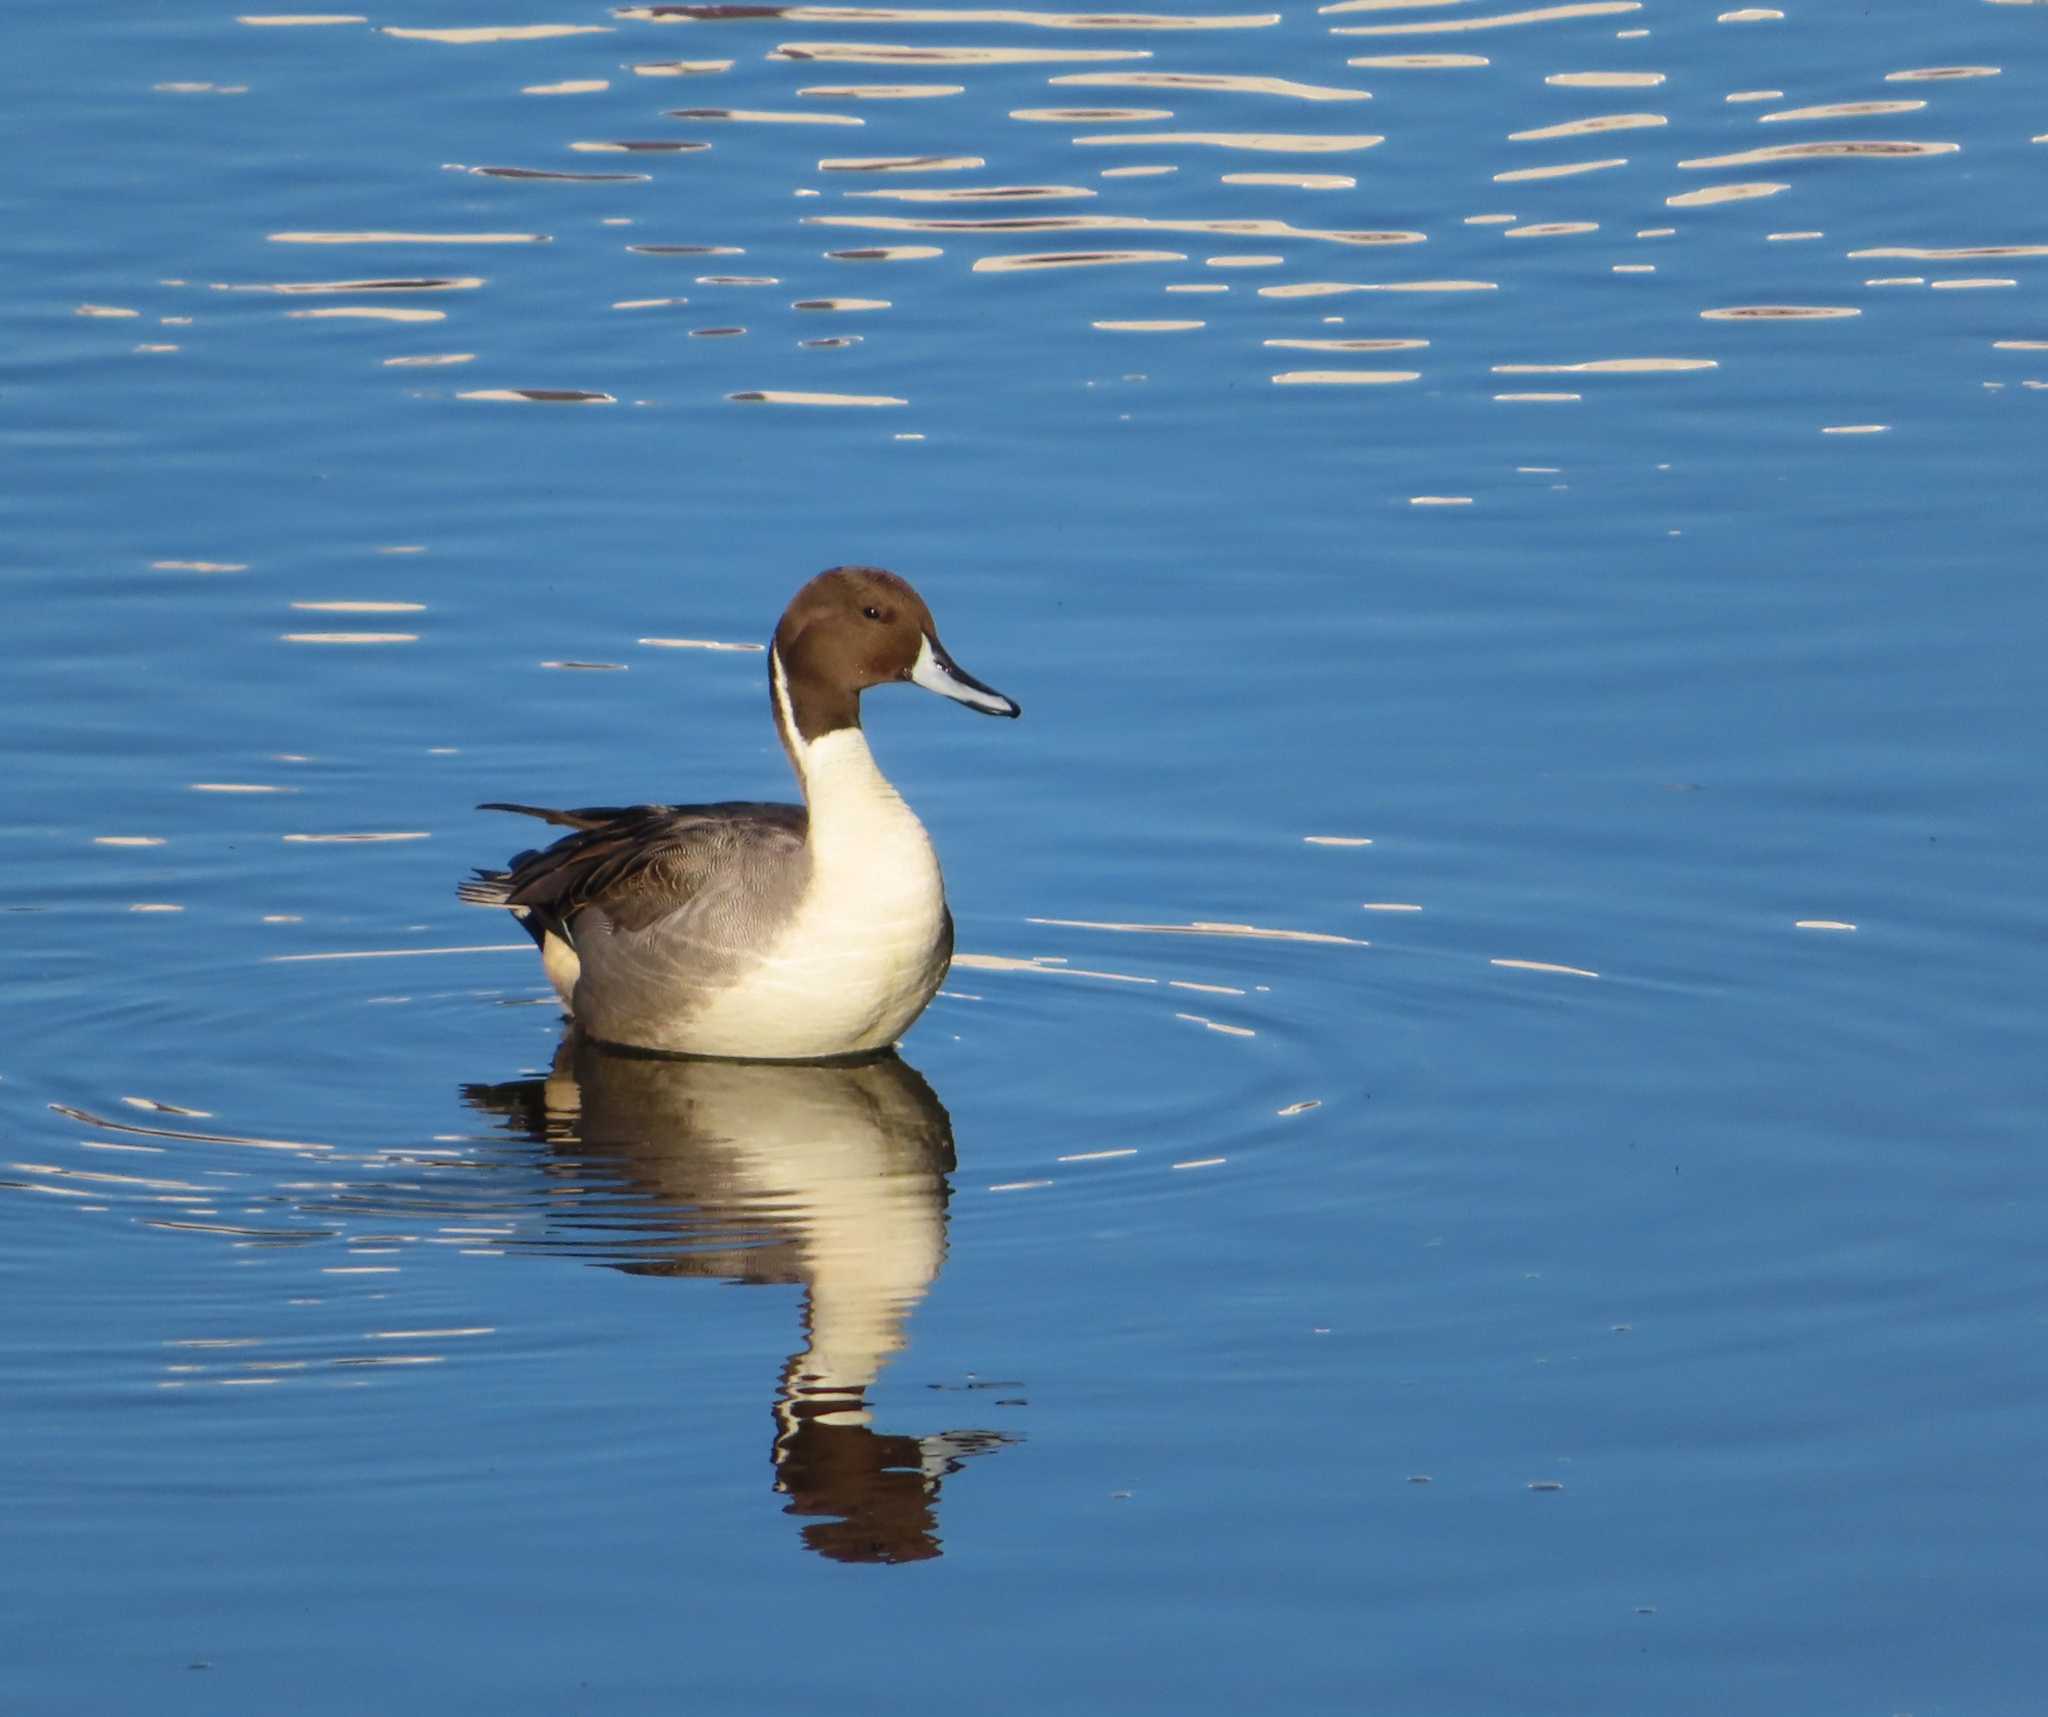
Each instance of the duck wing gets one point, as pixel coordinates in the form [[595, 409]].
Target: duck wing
[[638, 863]]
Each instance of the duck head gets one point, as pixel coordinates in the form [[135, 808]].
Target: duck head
[[855, 627]]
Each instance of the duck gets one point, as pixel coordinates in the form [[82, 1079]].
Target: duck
[[762, 931]]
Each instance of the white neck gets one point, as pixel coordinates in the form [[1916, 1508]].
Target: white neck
[[856, 815], [836, 770]]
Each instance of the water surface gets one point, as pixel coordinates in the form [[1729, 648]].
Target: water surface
[[1481, 1152]]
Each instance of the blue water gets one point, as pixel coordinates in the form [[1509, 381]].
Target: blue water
[[1335, 1319]]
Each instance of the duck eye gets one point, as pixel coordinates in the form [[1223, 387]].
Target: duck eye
[[872, 613]]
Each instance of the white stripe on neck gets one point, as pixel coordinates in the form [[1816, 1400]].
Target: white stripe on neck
[[785, 713]]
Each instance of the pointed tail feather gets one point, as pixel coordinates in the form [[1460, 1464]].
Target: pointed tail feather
[[486, 888], [591, 819]]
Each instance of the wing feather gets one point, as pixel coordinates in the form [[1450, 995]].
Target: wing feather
[[638, 863]]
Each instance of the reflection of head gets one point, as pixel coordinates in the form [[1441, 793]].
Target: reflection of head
[[833, 1176]]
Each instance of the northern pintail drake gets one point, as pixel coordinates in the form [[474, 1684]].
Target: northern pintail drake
[[762, 932]]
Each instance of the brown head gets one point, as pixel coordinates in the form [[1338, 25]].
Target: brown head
[[855, 627]]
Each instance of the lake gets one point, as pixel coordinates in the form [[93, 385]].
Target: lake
[[1482, 1149]]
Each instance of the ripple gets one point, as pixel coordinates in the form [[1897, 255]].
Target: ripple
[[1841, 110], [882, 91], [759, 116], [496, 33], [555, 175], [1498, 21], [1583, 127], [1265, 142], [1605, 80], [1154, 327], [1420, 62], [1248, 228], [1954, 253], [781, 396], [1214, 81], [639, 146], [1294, 181], [1071, 259], [1565, 170], [951, 15], [1713, 194], [1087, 115], [973, 193], [405, 238], [1815, 152], [366, 313], [1930, 74], [1335, 288], [1552, 229], [887, 253], [381, 835], [1361, 345], [1344, 378], [1208, 1024], [893, 54], [1781, 313], [1565, 971], [311, 288], [1203, 927], [1610, 367], [542, 396], [900, 163]]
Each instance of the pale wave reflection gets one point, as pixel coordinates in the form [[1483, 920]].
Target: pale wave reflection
[[1259, 134]]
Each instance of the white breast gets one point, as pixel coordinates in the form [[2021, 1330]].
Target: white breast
[[861, 956]]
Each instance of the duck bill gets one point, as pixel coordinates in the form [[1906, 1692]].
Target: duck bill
[[938, 672]]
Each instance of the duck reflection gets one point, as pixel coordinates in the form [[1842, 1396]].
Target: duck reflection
[[832, 1176]]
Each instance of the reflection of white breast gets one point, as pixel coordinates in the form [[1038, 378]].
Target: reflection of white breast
[[860, 957], [818, 1152]]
